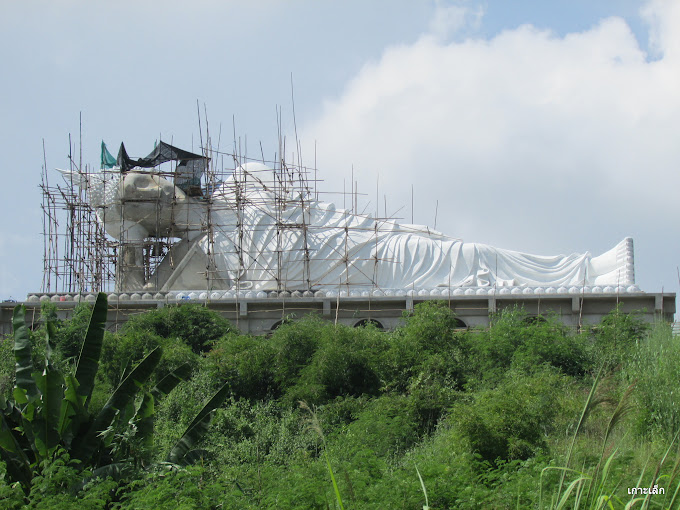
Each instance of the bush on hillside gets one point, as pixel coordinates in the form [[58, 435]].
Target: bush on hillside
[[511, 421], [345, 363], [294, 344], [515, 341], [246, 363], [122, 351], [195, 325], [616, 336], [431, 329]]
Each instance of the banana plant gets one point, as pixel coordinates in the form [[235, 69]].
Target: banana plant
[[182, 453], [50, 410]]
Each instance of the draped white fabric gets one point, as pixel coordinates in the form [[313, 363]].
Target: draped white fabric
[[285, 240], [316, 246]]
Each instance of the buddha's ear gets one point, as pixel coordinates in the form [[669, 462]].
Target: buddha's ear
[[76, 178]]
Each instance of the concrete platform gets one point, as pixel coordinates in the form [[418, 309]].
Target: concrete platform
[[261, 313]]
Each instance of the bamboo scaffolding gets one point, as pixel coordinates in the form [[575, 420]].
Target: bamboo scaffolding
[[80, 257]]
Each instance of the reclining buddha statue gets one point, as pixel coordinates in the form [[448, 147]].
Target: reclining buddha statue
[[248, 234]]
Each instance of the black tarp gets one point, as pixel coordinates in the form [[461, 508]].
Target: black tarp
[[189, 169], [123, 160]]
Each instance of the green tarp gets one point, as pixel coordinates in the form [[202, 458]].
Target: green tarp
[[107, 160]]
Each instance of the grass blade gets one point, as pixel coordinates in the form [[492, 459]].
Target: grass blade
[[422, 485], [335, 484]]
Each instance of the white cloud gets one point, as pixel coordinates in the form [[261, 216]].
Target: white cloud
[[662, 17], [449, 19], [528, 140]]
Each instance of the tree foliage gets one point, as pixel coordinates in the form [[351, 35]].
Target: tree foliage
[[49, 411]]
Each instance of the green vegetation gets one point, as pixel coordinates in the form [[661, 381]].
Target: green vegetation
[[48, 418], [519, 415]]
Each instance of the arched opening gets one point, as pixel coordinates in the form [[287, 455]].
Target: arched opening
[[369, 322], [288, 319], [459, 324]]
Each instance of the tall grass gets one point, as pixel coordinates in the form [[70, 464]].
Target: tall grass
[[316, 426], [597, 488], [655, 364]]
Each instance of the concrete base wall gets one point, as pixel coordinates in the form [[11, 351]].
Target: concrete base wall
[[262, 315]]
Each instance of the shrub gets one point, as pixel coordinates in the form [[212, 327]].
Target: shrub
[[548, 341], [53, 487], [616, 335], [246, 364], [431, 326], [195, 325], [70, 334], [189, 488], [513, 341], [341, 411], [294, 345], [510, 421], [259, 432], [66, 337], [121, 351], [7, 364], [433, 391], [387, 426], [344, 364], [432, 329]]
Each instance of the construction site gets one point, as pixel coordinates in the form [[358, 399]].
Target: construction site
[[257, 240]]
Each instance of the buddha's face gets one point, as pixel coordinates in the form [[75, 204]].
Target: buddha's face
[[151, 201], [144, 186]]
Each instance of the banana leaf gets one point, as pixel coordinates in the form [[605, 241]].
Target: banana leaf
[[17, 463], [88, 361], [45, 423], [11, 411], [194, 456], [122, 396], [143, 419], [11, 450], [117, 471], [168, 383], [72, 412], [22, 355], [196, 429]]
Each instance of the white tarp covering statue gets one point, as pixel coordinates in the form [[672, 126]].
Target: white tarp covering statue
[[267, 240]]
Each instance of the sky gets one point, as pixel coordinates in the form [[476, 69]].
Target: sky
[[543, 127]]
